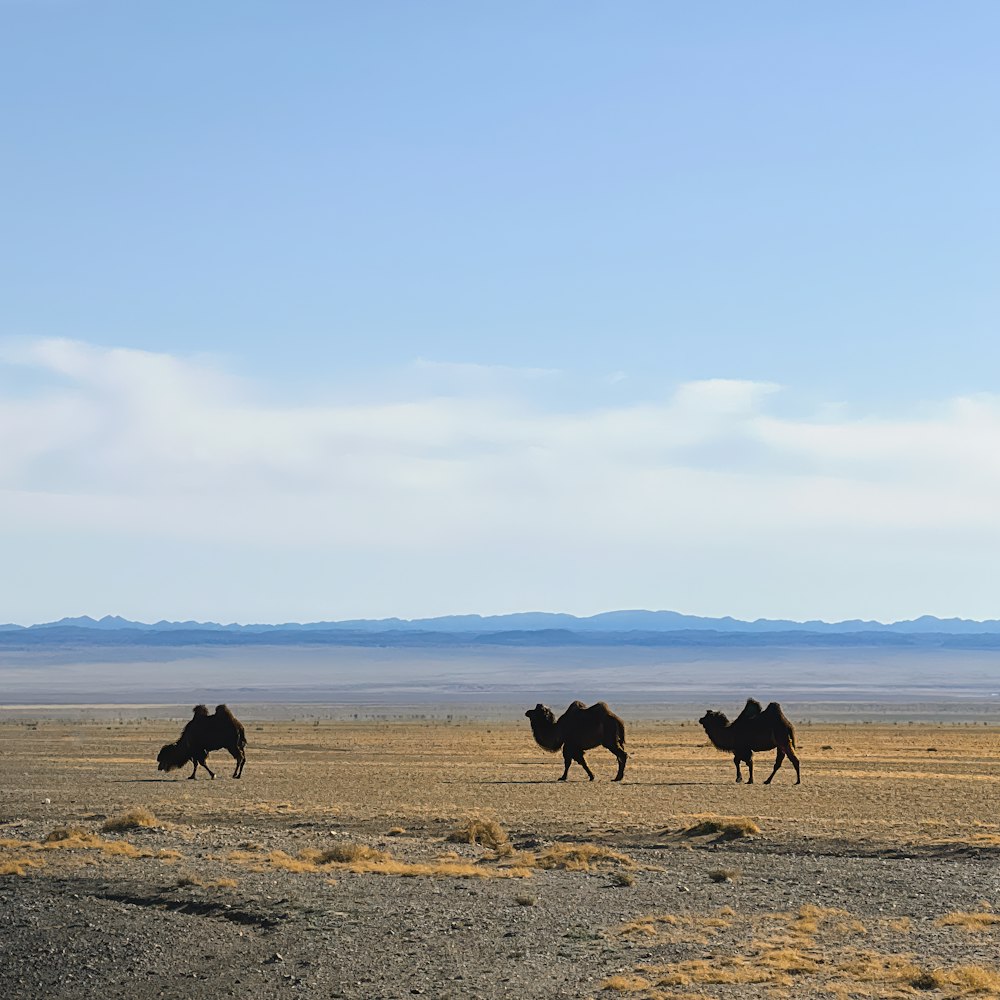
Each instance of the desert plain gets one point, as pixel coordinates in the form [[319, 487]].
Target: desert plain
[[438, 856]]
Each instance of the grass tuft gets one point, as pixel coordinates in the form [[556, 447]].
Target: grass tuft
[[135, 819], [975, 922], [482, 830], [581, 857], [19, 866], [723, 828], [724, 874]]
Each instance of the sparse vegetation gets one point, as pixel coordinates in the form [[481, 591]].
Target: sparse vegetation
[[621, 879], [724, 874], [134, 819], [19, 865], [581, 857], [818, 955], [361, 859], [483, 830], [974, 922], [723, 828]]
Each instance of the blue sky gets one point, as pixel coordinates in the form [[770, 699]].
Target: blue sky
[[325, 310]]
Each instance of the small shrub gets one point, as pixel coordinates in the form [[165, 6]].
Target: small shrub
[[524, 899], [134, 819], [349, 853], [581, 857], [723, 828], [724, 874], [621, 879], [481, 830]]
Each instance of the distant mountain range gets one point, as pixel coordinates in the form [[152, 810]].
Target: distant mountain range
[[543, 625]]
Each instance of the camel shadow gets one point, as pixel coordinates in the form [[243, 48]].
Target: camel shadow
[[676, 784], [138, 781], [526, 781]]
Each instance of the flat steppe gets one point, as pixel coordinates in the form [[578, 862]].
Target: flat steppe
[[326, 871]]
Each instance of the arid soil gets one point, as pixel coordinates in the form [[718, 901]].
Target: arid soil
[[327, 870]]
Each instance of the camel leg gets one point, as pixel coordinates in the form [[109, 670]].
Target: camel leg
[[795, 763], [748, 758], [622, 756], [779, 757], [240, 757], [204, 763], [739, 773], [568, 758], [194, 773], [583, 764]]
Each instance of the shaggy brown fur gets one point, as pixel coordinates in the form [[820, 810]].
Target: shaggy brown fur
[[203, 734], [753, 729], [579, 728]]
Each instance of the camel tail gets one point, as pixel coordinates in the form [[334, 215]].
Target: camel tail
[[621, 731]]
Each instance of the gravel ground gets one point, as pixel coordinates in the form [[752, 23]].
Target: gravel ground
[[188, 917]]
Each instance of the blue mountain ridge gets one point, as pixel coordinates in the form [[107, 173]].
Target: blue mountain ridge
[[531, 621]]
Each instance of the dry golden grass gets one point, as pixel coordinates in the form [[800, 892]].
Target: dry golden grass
[[817, 956], [974, 922], [723, 828], [347, 854], [675, 929], [580, 857], [134, 819], [362, 860], [483, 830], [19, 865], [71, 839]]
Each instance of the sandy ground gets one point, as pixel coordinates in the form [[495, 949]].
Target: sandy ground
[[325, 871]]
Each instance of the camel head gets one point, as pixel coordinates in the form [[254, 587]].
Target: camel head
[[713, 720], [172, 756], [541, 715], [543, 728]]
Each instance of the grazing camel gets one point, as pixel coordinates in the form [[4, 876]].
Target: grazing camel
[[753, 729], [203, 734], [578, 729]]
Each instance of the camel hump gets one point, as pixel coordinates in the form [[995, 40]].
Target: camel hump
[[576, 706], [200, 710], [750, 710]]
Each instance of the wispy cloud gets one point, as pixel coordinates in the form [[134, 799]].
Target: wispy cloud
[[159, 443], [131, 444]]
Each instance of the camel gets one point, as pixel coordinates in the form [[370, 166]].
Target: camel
[[753, 729], [203, 734], [579, 728]]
